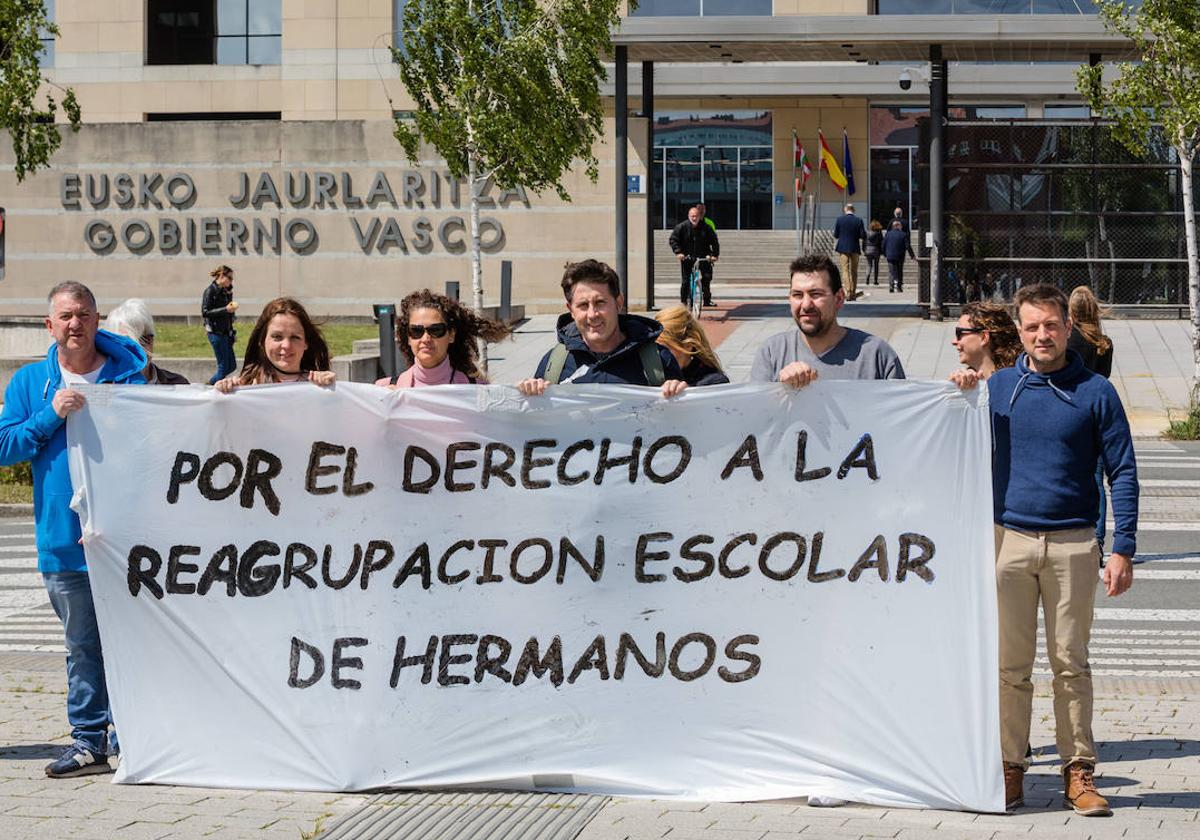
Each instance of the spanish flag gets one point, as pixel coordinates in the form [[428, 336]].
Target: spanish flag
[[829, 163]]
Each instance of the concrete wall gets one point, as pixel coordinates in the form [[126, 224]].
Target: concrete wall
[[49, 216]]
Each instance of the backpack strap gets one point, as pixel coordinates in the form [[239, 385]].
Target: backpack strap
[[558, 360], [652, 365]]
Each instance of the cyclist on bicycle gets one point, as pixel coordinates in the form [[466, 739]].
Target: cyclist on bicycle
[[691, 240]]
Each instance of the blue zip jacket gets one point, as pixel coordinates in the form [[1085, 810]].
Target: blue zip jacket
[[30, 430], [1047, 433], [622, 366]]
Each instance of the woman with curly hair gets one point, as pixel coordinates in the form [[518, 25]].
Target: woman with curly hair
[[439, 338], [285, 346], [986, 338], [689, 345]]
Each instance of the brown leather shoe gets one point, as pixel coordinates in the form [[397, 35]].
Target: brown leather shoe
[[1014, 786], [1081, 792]]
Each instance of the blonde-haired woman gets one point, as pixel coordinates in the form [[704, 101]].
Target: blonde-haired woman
[[1087, 336], [689, 345], [1089, 341]]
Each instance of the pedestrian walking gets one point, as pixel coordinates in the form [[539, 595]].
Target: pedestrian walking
[[873, 250], [849, 233], [33, 427], [218, 309], [895, 245], [1053, 420]]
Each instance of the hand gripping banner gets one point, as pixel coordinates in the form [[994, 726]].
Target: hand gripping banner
[[747, 592]]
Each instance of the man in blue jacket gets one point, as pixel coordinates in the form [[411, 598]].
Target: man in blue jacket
[[33, 427], [850, 233], [598, 343], [1052, 422]]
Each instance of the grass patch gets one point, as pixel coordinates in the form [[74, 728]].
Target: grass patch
[[1187, 428], [180, 341], [16, 484], [16, 494]]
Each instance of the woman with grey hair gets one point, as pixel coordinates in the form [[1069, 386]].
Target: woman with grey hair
[[133, 319]]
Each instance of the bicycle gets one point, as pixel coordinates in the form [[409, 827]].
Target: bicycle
[[696, 288]]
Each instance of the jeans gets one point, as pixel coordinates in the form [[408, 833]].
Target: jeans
[[872, 270], [87, 694], [222, 345]]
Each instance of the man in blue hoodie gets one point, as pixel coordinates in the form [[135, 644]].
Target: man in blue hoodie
[[1052, 422], [598, 343], [33, 428]]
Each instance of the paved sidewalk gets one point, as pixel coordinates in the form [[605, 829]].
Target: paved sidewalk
[[1151, 366], [1150, 752]]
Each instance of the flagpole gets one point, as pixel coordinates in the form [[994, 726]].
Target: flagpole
[[820, 168], [796, 204]]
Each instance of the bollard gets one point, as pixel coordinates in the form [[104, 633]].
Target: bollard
[[505, 291], [385, 314], [452, 289]]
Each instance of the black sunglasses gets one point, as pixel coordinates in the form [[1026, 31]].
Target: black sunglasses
[[435, 330], [959, 332]]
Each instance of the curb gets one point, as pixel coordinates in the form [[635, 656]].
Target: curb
[[15, 510]]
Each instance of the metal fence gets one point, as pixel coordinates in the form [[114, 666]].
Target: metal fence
[[1060, 202]]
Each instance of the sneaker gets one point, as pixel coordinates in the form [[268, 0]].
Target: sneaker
[[1014, 786], [1080, 791], [826, 802], [77, 761]]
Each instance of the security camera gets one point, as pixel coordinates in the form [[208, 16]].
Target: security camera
[[905, 80]]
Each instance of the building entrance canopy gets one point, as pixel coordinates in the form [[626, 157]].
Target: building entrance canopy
[[984, 38]]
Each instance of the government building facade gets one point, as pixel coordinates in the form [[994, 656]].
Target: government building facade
[[258, 134]]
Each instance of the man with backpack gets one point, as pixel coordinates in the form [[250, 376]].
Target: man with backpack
[[598, 343]]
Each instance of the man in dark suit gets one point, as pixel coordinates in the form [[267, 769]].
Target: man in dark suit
[[850, 233]]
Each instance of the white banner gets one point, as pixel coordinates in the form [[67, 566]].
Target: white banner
[[745, 593]]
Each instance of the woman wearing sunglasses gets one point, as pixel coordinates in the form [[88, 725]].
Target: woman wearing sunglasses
[[285, 346], [986, 338], [439, 338]]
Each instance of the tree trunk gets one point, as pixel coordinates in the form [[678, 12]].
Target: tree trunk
[[1186, 159], [476, 250]]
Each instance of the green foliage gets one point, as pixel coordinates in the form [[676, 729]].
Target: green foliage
[[513, 84], [21, 473], [1163, 86], [188, 341], [35, 137], [1188, 428]]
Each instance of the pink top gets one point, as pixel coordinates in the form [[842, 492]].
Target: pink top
[[419, 377]]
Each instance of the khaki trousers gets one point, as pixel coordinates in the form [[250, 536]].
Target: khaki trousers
[[849, 266], [1059, 569]]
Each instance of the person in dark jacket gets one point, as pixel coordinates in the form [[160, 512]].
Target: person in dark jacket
[[895, 244], [599, 344], [1096, 349], [33, 428], [850, 233], [217, 306], [690, 240], [689, 345], [132, 319], [872, 250]]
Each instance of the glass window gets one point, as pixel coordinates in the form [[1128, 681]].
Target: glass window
[[220, 32], [1066, 111], [914, 7], [755, 212], [46, 56], [697, 8], [988, 7]]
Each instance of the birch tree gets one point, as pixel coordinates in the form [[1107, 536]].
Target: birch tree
[[506, 91], [1160, 88], [28, 119]]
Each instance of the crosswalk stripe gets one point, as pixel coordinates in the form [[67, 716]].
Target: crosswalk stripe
[[1119, 651], [1187, 525], [28, 648], [1159, 644], [1126, 672], [1043, 660], [5, 635], [1167, 574], [1176, 483], [1141, 631], [1119, 614]]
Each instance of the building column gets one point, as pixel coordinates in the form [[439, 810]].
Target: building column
[[622, 170], [937, 177], [648, 113]]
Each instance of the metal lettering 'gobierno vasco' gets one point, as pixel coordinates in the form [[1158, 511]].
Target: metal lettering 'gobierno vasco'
[[171, 230]]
